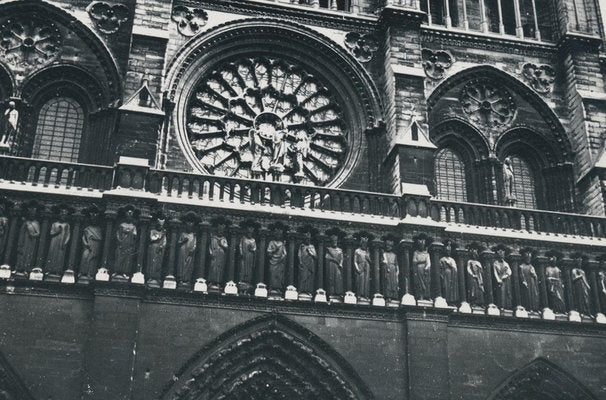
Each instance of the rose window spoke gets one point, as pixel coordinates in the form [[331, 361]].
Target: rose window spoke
[[487, 104], [266, 119]]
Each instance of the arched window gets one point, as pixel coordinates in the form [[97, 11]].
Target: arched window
[[524, 183], [59, 130], [450, 176]]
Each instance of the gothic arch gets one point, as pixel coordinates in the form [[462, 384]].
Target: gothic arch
[[557, 131], [113, 91], [526, 140], [541, 380], [346, 79], [458, 134], [269, 357], [11, 386], [7, 83]]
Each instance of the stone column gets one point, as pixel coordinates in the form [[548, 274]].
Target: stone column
[[234, 240], [293, 239], [108, 243], [172, 253], [518, 17], [320, 284], [261, 249], [44, 216], [13, 230], [462, 256], [566, 268], [405, 272], [435, 252], [541, 262], [348, 252], [74, 242], [141, 252], [202, 250], [514, 263], [592, 272], [487, 257]]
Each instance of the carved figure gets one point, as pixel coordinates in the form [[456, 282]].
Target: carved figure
[[540, 77], [92, 237], [475, 271], [301, 149], [60, 235], [361, 45], [307, 263], [421, 264], [156, 250], [3, 228], [276, 257], [502, 277], [334, 266], [390, 270], [508, 182], [362, 267], [126, 245], [11, 123], [580, 286], [602, 282], [555, 286], [217, 250], [29, 236], [187, 249], [248, 253], [278, 150], [529, 289], [448, 274]]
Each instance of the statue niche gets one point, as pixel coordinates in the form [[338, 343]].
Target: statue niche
[[276, 257], [421, 264], [186, 249], [248, 253], [217, 251], [126, 244], [60, 236], [475, 272], [29, 237], [92, 237], [448, 274], [529, 289], [307, 256], [156, 250], [334, 264], [390, 271]]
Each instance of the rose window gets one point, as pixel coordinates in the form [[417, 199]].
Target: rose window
[[32, 40], [266, 119], [486, 104]]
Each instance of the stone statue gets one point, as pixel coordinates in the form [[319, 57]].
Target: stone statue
[[508, 182], [580, 285], [257, 150], [126, 245], [276, 257], [301, 149], [186, 249], [448, 274], [278, 150], [390, 271], [60, 235], [156, 250], [475, 271], [11, 123], [29, 236], [218, 252], [602, 283], [421, 265], [248, 253], [307, 263], [502, 278], [334, 266], [529, 289], [555, 286], [362, 268], [92, 236]]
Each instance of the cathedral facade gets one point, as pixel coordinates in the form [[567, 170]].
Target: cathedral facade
[[304, 199]]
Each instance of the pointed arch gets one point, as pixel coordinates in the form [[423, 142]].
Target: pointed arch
[[269, 357], [541, 380], [11, 385], [557, 131], [113, 88]]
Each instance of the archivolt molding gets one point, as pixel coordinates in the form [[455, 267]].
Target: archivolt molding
[[90, 38], [515, 85], [268, 357], [456, 130], [541, 380], [348, 80]]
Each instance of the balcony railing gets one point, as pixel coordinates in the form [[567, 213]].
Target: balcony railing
[[216, 189], [40, 242]]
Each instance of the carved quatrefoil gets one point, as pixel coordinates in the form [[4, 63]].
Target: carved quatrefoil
[[487, 104], [108, 18], [540, 77], [435, 63], [29, 41], [362, 46], [189, 20]]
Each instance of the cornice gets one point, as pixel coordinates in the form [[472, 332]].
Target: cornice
[[485, 41], [341, 20]]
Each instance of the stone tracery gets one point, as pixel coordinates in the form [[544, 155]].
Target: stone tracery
[[29, 41], [269, 119], [487, 104]]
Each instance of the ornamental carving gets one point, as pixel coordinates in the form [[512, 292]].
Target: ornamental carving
[[266, 119], [540, 77], [362, 46], [435, 63], [108, 18], [189, 20], [487, 104], [29, 41]]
